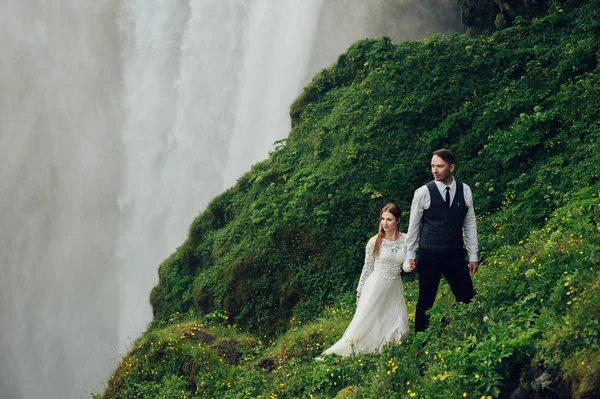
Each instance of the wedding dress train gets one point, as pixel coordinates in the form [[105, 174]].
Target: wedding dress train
[[381, 315]]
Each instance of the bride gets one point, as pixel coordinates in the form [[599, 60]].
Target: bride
[[380, 315]]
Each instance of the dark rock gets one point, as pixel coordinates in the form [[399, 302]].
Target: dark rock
[[491, 15]]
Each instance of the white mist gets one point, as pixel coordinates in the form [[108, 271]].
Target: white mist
[[60, 152]]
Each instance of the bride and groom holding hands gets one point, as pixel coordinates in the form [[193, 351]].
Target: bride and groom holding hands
[[442, 226]]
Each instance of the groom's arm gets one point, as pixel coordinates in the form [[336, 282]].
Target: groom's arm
[[470, 230]]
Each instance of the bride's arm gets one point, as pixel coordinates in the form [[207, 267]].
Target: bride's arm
[[367, 267]]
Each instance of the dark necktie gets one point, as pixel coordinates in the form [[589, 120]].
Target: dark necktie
[[448, 197]]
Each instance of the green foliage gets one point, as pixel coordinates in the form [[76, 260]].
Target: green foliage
[[183, 360], [267, 274]]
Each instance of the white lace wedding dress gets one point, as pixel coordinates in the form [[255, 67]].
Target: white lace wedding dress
[[380, 316]]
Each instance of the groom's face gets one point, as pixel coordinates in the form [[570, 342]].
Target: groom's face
[[441, 170]]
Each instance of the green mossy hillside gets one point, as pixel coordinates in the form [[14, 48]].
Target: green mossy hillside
[[274, 260]]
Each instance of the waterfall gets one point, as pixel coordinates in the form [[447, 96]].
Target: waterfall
[[119, 121], [61, 160], [207, 88]]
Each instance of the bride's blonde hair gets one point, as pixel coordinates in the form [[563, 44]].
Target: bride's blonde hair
[[394, 210]]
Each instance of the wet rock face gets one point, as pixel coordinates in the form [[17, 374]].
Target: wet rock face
[[479, 14], [482, 15]]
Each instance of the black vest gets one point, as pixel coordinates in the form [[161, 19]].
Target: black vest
[[442, 227]]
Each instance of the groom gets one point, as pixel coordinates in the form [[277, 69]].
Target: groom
[[442, 224]]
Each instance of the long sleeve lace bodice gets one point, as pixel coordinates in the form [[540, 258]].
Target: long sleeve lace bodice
[[388, 264]]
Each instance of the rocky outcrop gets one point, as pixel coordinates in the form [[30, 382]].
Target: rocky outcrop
[[492, 15]]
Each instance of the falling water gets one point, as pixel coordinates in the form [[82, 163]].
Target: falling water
[[119, 121], [60, 172]]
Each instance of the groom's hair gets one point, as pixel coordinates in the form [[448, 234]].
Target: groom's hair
[[446, 155]]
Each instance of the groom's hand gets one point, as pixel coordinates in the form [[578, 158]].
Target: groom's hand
[[473, 266]]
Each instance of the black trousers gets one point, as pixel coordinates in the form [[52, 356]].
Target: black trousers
[[431, 267]]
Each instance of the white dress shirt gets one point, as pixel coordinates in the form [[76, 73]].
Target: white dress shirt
[[422, 201]]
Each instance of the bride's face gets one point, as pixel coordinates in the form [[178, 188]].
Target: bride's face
[[389, 223]]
